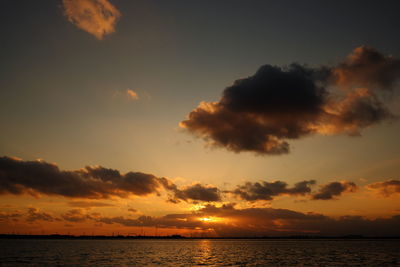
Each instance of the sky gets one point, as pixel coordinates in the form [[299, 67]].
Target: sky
[[202, 118]]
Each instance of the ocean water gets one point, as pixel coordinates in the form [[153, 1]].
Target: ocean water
[[232, 252]]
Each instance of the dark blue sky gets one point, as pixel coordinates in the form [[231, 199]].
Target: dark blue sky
[[61, 87]]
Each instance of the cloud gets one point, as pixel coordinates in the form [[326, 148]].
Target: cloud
[[35, 214], [263, 112], [334, 189], [228, 221], [196, 192], [39, 177], [96, 182], [97, 17], [267, 191], [132, 94], [386, 188], [93, 182], [31, 215], [9, 216], [76, 216], [366, 67], [182, 221]]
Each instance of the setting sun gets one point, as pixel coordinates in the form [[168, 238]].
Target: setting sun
[[210, 219]]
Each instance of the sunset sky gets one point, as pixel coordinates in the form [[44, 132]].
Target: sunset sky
[[201, 118]]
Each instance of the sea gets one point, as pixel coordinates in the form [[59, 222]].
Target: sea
[[200, 252]]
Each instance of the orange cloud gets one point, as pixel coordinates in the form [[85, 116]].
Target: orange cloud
[[366, 67], [132, 94], [97, 17], [385, 188]]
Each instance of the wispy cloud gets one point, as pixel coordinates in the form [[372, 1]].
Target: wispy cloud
[[97, 17], [385, 188], [34, 214]]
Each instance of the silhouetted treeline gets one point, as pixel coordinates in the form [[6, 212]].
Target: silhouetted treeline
[[57, 236]]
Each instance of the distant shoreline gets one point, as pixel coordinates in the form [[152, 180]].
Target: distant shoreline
[[179, 237]]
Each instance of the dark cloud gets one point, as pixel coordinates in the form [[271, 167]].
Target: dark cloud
[[262, 112], [386, 188], [76, 215], [267, 191], [196, 192], [39, 177], [334, 189], [137, 183]]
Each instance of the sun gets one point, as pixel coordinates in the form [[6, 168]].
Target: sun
[[210, 219]]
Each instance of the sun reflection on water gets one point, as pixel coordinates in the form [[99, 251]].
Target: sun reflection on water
[[204, 256]]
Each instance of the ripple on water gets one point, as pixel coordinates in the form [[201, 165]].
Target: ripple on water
[[200, 252]]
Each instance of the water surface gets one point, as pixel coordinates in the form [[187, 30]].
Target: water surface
[[233, 252]]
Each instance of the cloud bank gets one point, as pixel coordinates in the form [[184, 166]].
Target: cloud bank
[[228, 221], [97, 17], [231, 222], [38, 177], [263, 112], [92, 182]]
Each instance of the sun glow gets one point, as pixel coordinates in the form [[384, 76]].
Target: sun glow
[[197, 207], [210, 219]]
